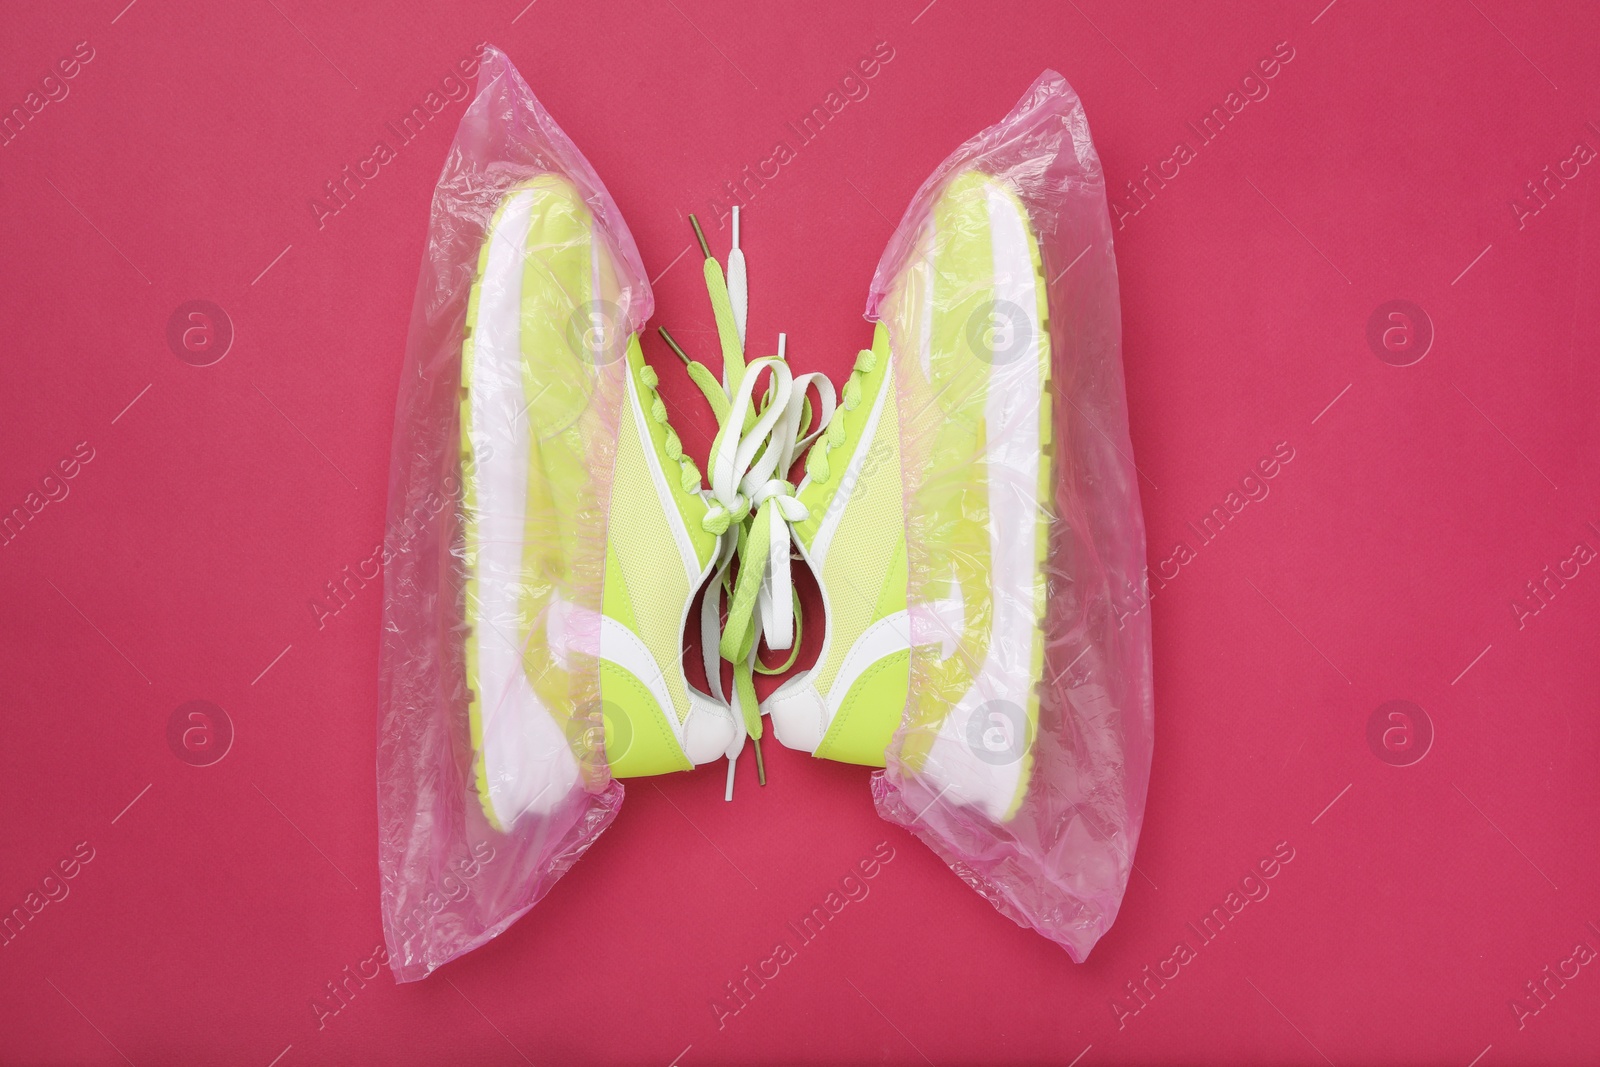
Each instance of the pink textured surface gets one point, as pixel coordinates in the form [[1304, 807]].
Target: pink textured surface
[[1390, 559]]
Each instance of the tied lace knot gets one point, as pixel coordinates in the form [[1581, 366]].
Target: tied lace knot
[[759, 439], [719, 517], [781, 492]]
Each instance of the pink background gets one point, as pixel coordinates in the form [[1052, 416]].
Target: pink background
[[1386, 561]]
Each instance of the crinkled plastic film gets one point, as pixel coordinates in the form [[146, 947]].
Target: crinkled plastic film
[[491, 774], [1024, 752]]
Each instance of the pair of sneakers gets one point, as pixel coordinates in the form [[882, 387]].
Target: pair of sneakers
[[954, 391]]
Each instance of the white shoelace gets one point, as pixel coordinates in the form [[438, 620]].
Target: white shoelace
[[756, 447], [739, 286]]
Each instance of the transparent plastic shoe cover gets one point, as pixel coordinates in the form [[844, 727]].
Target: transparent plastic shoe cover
[[492, 778], [1024, 751]]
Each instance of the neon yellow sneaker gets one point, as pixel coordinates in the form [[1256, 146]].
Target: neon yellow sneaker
[[659, 552], [848, 705], [670, 531], [573, 656], [959, 366], [971, 321], [529, 421]]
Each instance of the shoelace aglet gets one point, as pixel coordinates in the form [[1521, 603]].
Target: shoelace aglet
[[699, 235], [733, 764], [735, 226], [761, 768], [667, 337]]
